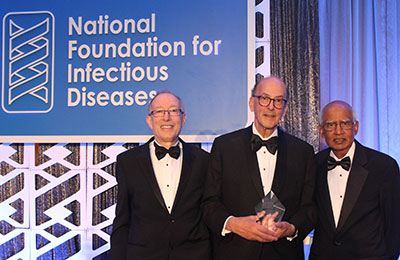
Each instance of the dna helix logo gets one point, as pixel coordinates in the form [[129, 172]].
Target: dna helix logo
[[28, 62]]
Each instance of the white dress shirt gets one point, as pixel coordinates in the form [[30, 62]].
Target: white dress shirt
[[168, 173], [266, 162], [266, 165], [337, 182]]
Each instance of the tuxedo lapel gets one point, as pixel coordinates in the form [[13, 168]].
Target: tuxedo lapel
[[355, 183], [281, 165], [252, 162], [147, 169], [185, 173]]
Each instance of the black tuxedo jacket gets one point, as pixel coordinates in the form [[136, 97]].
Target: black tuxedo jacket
[[143, 228], [368, 226], [234, 187]]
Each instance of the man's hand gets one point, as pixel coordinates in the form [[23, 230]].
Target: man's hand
[[284, 229], [248, 228], [267, 220]]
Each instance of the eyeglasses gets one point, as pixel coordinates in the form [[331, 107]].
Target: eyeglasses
[[171, 112], [264, 101], [345, 125]]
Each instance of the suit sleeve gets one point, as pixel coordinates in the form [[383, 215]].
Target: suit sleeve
[[390, 201], [306, 216], [119, 234], [214, 212]]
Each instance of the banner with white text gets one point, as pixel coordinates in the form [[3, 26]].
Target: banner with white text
[[85, 71]]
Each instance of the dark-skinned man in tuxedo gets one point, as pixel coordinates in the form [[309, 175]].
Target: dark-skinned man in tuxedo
[[357, 192]]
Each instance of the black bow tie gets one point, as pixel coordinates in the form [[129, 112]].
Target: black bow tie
[[173, 151], [345, 163], [271, 144]]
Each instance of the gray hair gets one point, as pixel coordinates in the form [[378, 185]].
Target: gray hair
[[165, 92]]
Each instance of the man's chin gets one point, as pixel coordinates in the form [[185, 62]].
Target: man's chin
[[169, 139], [340, 149], [270, 127]]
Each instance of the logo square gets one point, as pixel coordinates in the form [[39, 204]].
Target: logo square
[[28, 62]]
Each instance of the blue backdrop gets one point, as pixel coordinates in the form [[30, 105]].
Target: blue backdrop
[[77, 69]]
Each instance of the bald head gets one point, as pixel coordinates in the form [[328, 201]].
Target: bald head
[[269, 81], [337, 104]]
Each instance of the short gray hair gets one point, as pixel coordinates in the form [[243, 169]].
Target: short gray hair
[[165, 92]]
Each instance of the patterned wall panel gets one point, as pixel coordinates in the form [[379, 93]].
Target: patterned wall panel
[[14, 200], [58, 201], [15, 156], [262, 52], [56, 159], [45, 246], [101, 195], [14, 212], [15, 245]]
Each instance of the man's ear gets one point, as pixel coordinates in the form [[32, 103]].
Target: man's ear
[[183, 119], [251, 104], [284, 112], [149, 123], [356, 128], [321, 131]]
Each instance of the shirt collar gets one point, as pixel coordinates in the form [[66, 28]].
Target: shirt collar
[[177, 143], [350, 153], [275, 133]]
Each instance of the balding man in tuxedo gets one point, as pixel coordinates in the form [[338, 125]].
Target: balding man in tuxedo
[[246, 165], [160, 186], [358, 194]]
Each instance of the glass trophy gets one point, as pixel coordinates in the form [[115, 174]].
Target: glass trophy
[[270, 210]]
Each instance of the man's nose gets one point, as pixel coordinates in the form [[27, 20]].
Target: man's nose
[[166, 115], [338, 129], [271, 105]]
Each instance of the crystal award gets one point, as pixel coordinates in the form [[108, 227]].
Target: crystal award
[[267, 207]]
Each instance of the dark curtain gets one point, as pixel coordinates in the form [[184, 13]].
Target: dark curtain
[[295, 59]]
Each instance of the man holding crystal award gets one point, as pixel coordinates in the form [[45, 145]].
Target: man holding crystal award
[[258, 198]]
